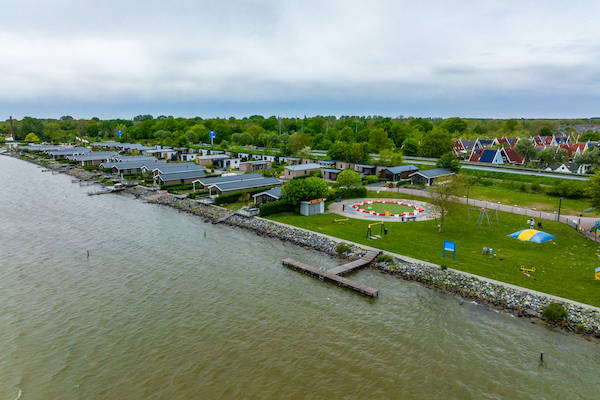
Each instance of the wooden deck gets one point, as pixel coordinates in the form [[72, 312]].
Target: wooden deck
[[333, 275]]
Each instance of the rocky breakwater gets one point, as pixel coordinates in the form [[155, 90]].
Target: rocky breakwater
[[522, 303]]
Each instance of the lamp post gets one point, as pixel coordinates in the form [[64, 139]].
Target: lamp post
[[559, 204]]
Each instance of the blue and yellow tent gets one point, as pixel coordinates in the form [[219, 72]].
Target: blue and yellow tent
[[532, 235]]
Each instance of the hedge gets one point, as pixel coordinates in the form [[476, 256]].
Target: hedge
[[274, 207], [348, 193]]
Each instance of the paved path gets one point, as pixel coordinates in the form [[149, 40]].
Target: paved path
[[344, 208]]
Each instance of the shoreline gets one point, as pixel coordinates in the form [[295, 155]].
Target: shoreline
[[500, 296]]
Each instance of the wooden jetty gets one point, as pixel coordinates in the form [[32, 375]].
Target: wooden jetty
[[333, 275]]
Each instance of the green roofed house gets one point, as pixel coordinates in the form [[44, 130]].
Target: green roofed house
[[431, 177]]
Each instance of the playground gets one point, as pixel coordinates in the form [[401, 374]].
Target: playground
[[392, 210], [563, 266]]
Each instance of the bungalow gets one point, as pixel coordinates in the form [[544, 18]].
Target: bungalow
[[210, 159], [188, 156], [509, 156], [396, 174], [506, 142], [118, 158], [431, 177], [239, 186], [327, 163], [330, 174], [66, 152], [254, 166], [365, 169], [167, 154], [490, 156], [568, 168], [167, 168], [129, 167], [272, 194], [574, 149], [294, 171], [344, 165], [227, 163], [206, 182], [458, 149], [290, 160], [177, 178], [92, 158]]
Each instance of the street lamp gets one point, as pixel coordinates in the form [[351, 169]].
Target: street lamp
[[559, 204]]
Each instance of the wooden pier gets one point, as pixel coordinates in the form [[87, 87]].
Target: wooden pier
[[333, 275]]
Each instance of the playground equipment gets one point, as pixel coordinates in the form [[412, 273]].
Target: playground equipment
[[370, 230], [341, 220], [483, 214], [526, 269], [532, 235]]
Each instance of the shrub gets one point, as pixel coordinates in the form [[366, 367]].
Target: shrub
[[370, 179], [485, 182], [535, 187], [342, 248], [348, 193], [580, 328], [382, 258], [274, 207], [443, 267], [523, 187], [571, 190], [554, 312]]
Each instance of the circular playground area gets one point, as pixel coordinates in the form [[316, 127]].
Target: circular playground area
[[392, 210], [388, 208]]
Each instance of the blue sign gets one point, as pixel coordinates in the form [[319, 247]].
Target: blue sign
[[212, 134], [450, 246], [119, 132]]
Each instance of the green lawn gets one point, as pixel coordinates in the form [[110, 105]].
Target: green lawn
[[391, 207], [564, 267], [539, 201]]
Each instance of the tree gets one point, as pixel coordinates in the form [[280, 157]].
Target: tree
[[298, 141], [338, 151], [550, 156], [389, 158], [590, 157], [421, 124], [348, 178], [410, 147], [436, 143], [510, 125], [32, 137], [454, 125], [378, 139], [298, 190], [526, 149], [2, 140], [546, 131], [449, 161], [593, 189], [441, 196]]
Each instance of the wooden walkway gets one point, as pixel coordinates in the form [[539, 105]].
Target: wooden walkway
[[333, 275]]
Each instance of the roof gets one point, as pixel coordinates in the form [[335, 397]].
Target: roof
[[273, 192], [174, 167], [402, 168], [512, 155], [213, 157], [365, 165], [247, 184], [334, 170], [67, 151], [231, 178], [135, 164], [487, 156], [133, 158], [93, 155], [468, 144], [181, 175], [303, 167], [434, 173], [486, 142]]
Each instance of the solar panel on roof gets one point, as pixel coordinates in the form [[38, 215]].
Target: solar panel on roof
[[488, 156]]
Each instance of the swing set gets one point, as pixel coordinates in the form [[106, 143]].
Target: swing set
[[370, 230], [483, 215]]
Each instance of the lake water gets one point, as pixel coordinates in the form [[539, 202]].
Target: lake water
[[159, 311]]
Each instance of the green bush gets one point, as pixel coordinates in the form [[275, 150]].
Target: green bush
[[342, 248], [554, 312], [485, 181], [535, 187], [348, 193], [443, 267], [580, 328], [275, 207], [523, 187], [571, 190], [370, 179], [382, 258]]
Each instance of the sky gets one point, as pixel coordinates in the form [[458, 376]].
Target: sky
[[443, 58]]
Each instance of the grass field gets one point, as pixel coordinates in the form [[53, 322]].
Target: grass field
[[391, 207], [564, 267]]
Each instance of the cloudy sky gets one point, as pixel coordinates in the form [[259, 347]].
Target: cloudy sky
[[293, 58]]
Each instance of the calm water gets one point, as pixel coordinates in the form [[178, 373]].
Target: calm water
[[159, 311]]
